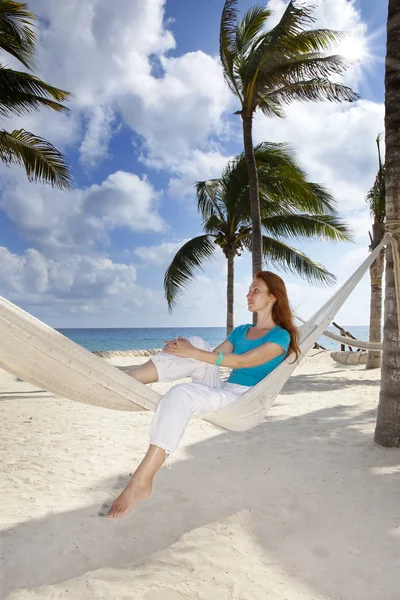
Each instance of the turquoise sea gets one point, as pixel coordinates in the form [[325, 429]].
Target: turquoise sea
[[149, 338]]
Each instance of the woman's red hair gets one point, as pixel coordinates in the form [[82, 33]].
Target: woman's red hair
[[281, 311]]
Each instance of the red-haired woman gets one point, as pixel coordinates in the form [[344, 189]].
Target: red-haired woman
[[252, 351]]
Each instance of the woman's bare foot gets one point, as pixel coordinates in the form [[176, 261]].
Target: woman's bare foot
[[135, 492], [139, 487]]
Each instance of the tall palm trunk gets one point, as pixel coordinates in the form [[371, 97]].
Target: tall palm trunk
[[374, 360], [387, 432], [230, 293], [253, 192]]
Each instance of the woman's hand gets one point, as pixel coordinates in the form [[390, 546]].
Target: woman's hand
[[180, 347]]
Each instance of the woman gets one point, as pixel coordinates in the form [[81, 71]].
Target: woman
[[251, 351]]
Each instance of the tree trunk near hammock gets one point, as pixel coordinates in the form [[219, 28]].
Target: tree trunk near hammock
[[256, 237], [230, 293], [387, 432], [374, 359]]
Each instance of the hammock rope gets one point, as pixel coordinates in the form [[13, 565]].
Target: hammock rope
[[354, 343]]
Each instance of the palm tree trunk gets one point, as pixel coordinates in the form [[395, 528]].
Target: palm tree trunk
[[230, 294], [387, 432], [253, 192], [374, 360]]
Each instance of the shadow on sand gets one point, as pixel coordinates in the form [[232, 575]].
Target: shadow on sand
[[316, 515]]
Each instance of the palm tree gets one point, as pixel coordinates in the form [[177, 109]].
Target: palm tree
[[387, 432], [291, 207], [376, 201], [21, 93], [266, 70]]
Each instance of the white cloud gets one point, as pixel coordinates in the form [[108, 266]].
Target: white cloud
[[59, 221], [93, 291], [33, 277], [198, 167], [160, 255], [115, 57], [99, 129], [61, 129], [361, 223], [179, 111]]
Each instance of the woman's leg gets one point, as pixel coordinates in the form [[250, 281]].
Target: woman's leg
[[172, 416], [166, 367], [146, 373], [169, 424]]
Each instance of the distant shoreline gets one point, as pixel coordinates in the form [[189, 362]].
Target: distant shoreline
[[113, 353]]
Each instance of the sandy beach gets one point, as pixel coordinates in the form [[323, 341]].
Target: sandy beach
[[303, 507]]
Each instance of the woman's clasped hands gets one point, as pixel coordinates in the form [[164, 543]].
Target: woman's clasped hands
[[180, 347]]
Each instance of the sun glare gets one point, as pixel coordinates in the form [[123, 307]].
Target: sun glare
[[353, 49]]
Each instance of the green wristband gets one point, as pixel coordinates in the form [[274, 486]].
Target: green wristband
[[219, 359]]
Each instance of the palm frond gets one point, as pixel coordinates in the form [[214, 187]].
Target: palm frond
[[16, 34], [250, 27], [214, 225], [313, 90], [280, 40], [280, 176], [269, 107], [235, 181], [273, 155], [209, 198], [20, 93], [227, 40], [288, 259], [376, 196], [317, 40], [229, 20], [307, 66], [284, 183], [288, 63], [42, 161], [323, 201], [186, 262], [283, 187], [319, 227]]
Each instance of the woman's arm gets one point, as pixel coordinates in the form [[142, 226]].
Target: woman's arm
[[252, 358], [226, 347]]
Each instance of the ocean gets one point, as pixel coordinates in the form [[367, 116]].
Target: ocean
[[152, 337]]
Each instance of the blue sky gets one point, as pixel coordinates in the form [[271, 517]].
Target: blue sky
[[151, 114]]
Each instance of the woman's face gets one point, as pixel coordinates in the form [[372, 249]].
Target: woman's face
[[258, 296]]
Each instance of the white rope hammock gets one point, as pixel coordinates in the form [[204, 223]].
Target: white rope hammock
[[349, 341], [35, 352], [354, 343], [378, 346]]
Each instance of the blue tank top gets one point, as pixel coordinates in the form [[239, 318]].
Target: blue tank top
[[241, 344]]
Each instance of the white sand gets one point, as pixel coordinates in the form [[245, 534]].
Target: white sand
[[303, 507]]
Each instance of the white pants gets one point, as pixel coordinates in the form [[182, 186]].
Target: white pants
[[206, 394]]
